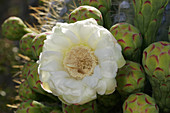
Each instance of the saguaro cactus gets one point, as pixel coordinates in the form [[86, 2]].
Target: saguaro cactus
[[140, 103], [14, 28], [148, 15], [156, 62]]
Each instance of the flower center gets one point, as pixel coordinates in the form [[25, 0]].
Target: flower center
[[80, 62]]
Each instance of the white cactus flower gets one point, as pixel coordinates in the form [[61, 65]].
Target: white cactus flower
[[78, 61]]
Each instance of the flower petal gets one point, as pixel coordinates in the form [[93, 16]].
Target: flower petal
[[111, 85], [92, 80], [93, 39], [44, 75], [90, 21], [68, 89], [63, 84], [82, 29], [106, 53], [88, 94], [46, 87], [106, 86], [50, 55], [101, 87], [57, 43], [70, 98], [107, 39], [108, 69], [51, 66], [70, 35], [85, 31], [60, 74], [118, 56], [110, 53], [51, 61]]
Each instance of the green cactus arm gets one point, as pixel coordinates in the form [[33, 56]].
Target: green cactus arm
[[148, 16], [140, 22], [146, 10], [149, 37]]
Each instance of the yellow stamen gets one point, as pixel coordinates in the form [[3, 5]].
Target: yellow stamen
[[80, 62]]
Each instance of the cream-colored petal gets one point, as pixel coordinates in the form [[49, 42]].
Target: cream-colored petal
[[63, 83], [107, 39], [106, 86], [93, 39], [57, 30], [121, 62], [54, 86], [50, 56], [119, 57], [82, 29], [46, 87], [101, 38], [110, 84], [88, 95], [70, 35], [43, 75], [106, 53], [92, 80], [54, 89], [55, 81], [118, 46], [101, 87], [50, 61], [84, 32], [110, 53], [51, 66], [108, 69], [97, 72], [104, 42], [56, 43], [90, 21], [71, 99], [59, 74], [70, 90]]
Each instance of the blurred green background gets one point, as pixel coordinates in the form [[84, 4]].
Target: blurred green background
[[9, 49]]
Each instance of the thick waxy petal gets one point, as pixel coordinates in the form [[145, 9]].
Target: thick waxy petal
[[109, 69], [57, 43]]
